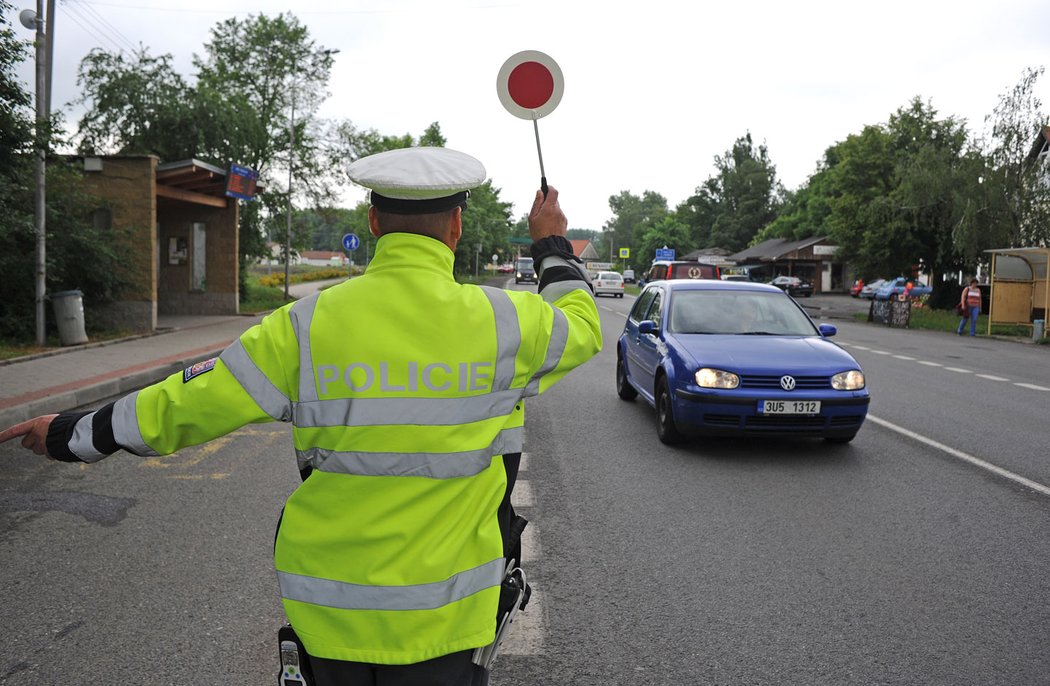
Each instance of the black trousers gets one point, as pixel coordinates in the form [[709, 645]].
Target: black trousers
[[455, 669]]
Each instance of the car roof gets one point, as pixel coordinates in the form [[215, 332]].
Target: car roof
[[714, 285]]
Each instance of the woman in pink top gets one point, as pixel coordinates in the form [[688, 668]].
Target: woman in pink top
[[971, 300]]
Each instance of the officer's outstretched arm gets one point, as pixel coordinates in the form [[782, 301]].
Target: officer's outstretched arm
[[247, 383]]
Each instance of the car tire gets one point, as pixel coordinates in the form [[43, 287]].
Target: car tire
[[624, 389], [666, 429]]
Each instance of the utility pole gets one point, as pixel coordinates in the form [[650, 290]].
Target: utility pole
[[35, 20]]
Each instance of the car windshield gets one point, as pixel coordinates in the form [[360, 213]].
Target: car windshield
[[740, 312], [525, 263], [608, 276]]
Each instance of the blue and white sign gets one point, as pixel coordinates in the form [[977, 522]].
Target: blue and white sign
[[665, 254], [351, 242]]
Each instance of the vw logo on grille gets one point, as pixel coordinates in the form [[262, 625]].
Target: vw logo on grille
[[787, 383]]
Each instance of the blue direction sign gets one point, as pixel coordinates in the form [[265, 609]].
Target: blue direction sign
[[351, 242], [665, 254]]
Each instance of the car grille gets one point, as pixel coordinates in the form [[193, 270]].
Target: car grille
[[774, 422], [801, 382]]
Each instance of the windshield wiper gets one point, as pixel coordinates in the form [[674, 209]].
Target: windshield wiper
[[757, 333]]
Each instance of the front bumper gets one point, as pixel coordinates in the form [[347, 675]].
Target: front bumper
[[733, 414]]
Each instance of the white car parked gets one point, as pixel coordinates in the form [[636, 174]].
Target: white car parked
[[608, 283]]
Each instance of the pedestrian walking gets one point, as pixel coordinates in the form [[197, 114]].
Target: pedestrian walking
[[405, 391], [970, 306]]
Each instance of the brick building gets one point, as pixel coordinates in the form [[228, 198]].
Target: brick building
[[180, 233]]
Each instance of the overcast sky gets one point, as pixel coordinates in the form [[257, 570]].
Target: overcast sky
[[654, 90]]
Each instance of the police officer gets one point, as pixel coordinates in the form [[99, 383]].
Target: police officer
[[405, 392]]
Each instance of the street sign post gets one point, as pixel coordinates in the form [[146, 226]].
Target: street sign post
[[351, 243]]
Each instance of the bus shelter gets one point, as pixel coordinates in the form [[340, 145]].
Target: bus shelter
[[1019, 288]]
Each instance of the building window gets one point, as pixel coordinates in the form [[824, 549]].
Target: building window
[[197, 276]]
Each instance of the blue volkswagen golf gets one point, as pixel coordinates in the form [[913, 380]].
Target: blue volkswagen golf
[[734, 358]]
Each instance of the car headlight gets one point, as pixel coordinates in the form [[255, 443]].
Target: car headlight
[[852, 380], [716, 378]]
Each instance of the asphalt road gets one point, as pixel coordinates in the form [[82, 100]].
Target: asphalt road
[[893, 560]]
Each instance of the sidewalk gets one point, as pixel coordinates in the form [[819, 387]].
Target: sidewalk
[[70, 378]]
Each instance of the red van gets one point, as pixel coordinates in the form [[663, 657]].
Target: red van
[[682, 269]]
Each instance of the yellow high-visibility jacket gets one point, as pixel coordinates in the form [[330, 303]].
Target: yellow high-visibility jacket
[[405, 390]]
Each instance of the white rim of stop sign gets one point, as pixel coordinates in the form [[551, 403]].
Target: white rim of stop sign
[[503, 84]]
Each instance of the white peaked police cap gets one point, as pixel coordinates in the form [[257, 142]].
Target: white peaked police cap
[[418, 180]]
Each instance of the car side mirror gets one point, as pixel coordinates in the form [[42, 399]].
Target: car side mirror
[[827, 330], [647, 327]]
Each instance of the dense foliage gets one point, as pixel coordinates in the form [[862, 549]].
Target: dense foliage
[[81, 253]]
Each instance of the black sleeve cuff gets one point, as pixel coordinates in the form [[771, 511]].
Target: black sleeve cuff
[[553, 245], [557, 246], [60, 433]]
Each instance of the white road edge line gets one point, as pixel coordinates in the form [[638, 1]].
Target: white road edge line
[[966, 457], [993, 378]]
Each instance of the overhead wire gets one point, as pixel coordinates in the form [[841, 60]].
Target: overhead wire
[[96, 30]]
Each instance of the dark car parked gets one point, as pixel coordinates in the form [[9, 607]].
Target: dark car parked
[[793, 286]]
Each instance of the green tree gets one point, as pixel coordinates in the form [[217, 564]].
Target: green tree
[[1016, 122], [633, 217], [86, 256], [740, 200], [137, 104], [486, 229]]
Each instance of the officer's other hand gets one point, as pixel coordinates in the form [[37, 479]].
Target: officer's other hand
[[546, 217], [33, 433]]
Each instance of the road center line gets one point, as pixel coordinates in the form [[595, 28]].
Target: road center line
[[959, 369], [931, 364], [880, 352], [904, 357], [1032, 386], [966, 457], [993, 378]]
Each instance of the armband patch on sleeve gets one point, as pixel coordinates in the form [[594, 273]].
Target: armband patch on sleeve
[[198, 369]]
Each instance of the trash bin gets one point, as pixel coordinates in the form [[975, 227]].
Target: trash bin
[[1037, 329], [69, 313]]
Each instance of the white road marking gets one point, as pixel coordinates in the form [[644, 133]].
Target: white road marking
[[959, 370], [966, 457], [861, 347], [1032, 386], [931, 364], [530, 544], [905, 357], [522, 496], [881, 352], [992, 378], [523, 466]]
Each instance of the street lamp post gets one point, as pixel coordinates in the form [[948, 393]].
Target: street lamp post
[[291, 165], [35, 20]]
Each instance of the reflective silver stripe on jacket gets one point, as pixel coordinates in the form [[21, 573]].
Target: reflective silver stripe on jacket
[[302, 315], [555, 261], [392, 411], [346, 596], [555, 349], [508, 336], [255, 383], [428, 465], [126, 427], [82, 444], [552, 291]]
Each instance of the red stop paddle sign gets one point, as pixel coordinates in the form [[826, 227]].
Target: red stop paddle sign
[[530, 85]]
